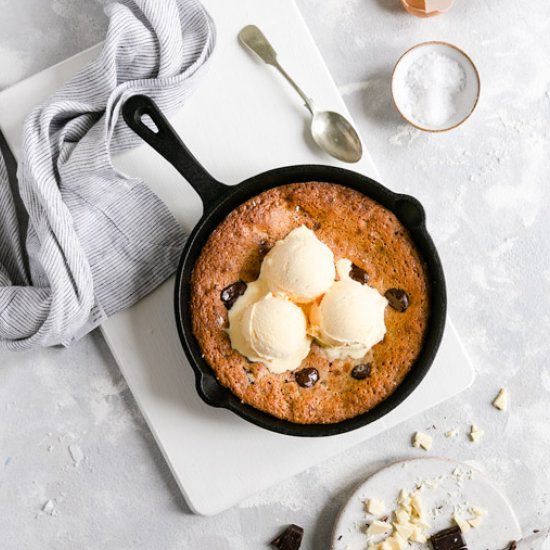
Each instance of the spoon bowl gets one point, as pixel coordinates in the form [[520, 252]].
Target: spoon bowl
[[331, 132], [335, 135]]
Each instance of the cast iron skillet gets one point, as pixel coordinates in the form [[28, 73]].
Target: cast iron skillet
[[219, 200]]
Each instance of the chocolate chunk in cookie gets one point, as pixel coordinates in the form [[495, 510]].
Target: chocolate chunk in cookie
[[397, 298], [307, 377], [231, 293], [358, 274], [264, 247], [361, 371]]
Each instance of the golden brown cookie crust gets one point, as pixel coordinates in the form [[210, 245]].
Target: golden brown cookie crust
[[354, 227]]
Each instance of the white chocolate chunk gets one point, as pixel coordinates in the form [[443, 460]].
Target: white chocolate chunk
[[451, 433], [418, 536], [378, 528], [478, 511], [405, 530], [375, 507], [402, 517], [464, 525], [475, 433], [475, 522], [422, 440], [416, 505], [408, 524], [430, 483], [501, 400], [404, 501], [396, 542], [420, 523]]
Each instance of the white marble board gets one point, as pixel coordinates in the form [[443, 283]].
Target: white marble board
[[242, 121]]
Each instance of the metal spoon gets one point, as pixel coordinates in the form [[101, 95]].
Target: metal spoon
[[331, 131]]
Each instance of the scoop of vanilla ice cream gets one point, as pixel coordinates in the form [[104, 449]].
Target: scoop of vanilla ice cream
[[349, 320], [300, 265], [271, 330], [276, 327]]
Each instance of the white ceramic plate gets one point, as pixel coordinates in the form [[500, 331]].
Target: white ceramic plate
[[464, 101], [459, 487]]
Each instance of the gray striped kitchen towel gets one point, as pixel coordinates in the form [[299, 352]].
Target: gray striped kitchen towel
[[97, 240]]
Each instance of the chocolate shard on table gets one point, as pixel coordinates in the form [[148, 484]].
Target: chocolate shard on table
[[448, 539], [289, 539]]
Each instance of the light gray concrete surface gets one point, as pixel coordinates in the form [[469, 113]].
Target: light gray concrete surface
[[78, 466]]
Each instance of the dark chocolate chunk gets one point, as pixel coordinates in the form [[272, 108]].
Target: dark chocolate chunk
[[358, 274], [307, 377], [513, 545], [448, 539], [289, 539], [397, 298], [264, 247], [249, 375], [231, 293], [361, 371]]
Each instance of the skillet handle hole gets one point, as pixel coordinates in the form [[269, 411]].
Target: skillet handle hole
[[147, 121]]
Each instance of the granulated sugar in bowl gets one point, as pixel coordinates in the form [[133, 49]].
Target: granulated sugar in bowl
[[435, 86]]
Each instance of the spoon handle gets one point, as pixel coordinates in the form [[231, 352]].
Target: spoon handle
[[254, 39]]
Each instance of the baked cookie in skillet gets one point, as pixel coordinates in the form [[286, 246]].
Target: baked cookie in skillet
[[383, 255]]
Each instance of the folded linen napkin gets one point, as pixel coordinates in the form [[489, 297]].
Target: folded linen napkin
[[97, 240]]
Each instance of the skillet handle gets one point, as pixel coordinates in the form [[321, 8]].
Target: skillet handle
[[167, 142]]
